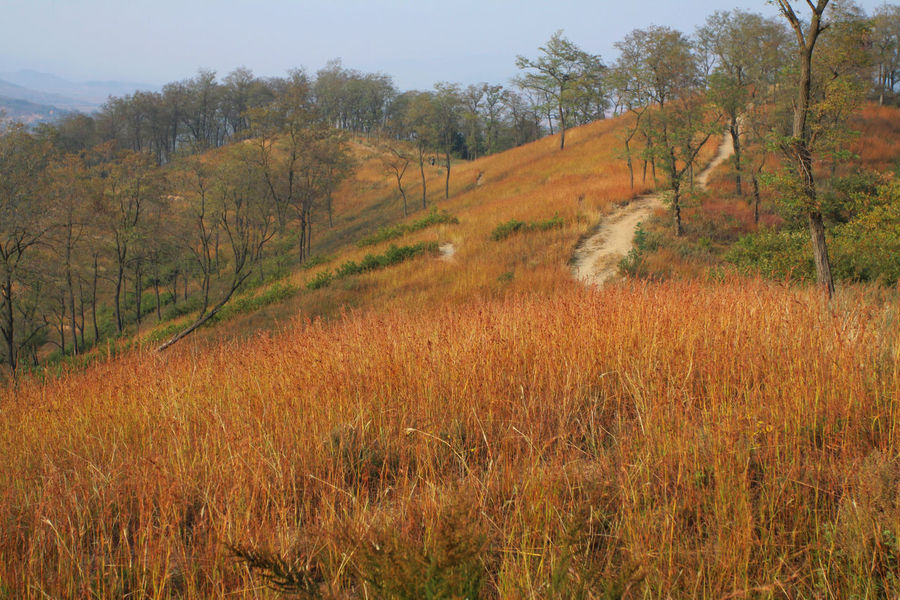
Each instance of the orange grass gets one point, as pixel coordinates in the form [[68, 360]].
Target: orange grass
[[878, 146], [677, 439], [534, 182]]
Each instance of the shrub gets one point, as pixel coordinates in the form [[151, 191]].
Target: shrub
[[315, 261], [391, 233], [372, 262], [321, 279], [504, 230], [776, 254], [276, 293]]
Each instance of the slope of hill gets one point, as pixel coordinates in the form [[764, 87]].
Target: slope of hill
[[481, 425], [43, 88], [28, 112], [562, 194]]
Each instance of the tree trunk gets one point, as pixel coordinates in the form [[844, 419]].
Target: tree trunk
[[799, 147], [676, 209], [62, 325], [755, 199], [81, 312], [117, 300], [158, 304], [447, 180], [330, 210], [138, 285], [562, 127], [94, 302], [174, 285], [302, 235], [630, 166], [402, 193], [71, 292], [422, 171], [736, 142], [8, 327], [204, 317], [820, 253]]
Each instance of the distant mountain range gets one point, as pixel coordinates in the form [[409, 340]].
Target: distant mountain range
[[27, 112], [34, 97]]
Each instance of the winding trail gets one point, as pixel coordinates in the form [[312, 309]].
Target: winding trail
[[596, 259]]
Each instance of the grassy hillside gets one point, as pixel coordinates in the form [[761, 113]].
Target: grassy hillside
[[535, 183], [474, 424], [673, 440]]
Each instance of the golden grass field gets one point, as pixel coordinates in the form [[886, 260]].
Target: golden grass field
[[467, 432]]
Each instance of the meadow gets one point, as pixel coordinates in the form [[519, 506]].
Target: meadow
[[474, 425], [647, 440]]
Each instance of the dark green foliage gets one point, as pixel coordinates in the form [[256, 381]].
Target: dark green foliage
[[240, 305], [504, 230], [372, 262], [322, 279], [298, 576], [775, 254], [391, 233], [428, 561], [246, 304], [644, 243], [315, 261], [864, 239], [182, 308]]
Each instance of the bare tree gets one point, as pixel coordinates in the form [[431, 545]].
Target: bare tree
[[247, 220], [23, 225], [797, 148]]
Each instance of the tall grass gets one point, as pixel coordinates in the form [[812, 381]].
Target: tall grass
[[651, 440]]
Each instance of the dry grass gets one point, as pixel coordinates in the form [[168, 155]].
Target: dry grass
[[879, 143], [665, 440], [480, 423], [534, 182]]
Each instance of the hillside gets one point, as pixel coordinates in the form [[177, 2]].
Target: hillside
[[44, 88], [568, 192], [23, 111], [471, 421]]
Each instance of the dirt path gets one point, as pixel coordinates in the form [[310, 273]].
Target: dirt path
[[596, 259], [447, 251]]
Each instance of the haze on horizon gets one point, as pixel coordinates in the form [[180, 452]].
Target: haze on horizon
[[417, 43]]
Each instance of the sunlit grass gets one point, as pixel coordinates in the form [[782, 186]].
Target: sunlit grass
[[705, 439], [482, 414]]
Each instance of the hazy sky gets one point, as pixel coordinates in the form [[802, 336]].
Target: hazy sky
[[417, 42]]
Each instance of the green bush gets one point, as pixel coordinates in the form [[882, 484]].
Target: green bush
[[644, 243], [322, 279], [276, 293], [347, 269], [315, 261], [372, 262], [391, 233], [182, 308], [776, 254], [504, 230]]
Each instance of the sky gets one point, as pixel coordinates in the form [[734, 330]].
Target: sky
[[418, 43]]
